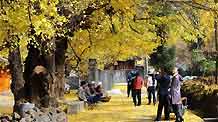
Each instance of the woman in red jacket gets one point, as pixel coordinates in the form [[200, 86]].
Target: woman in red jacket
[[137, 86]]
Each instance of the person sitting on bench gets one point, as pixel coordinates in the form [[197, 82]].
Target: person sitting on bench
[[83, 91]]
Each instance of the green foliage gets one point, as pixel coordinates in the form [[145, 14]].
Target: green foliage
[[206, 66], [163, 58]]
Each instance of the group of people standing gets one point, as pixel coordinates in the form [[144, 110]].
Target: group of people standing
[[167, 87]]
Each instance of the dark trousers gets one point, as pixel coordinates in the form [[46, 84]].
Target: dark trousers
[[136, 94], [164, 102], [94, 99], [177, 109], [129, 88], [151, 93]]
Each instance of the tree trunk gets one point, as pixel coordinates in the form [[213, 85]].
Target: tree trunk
[[61, 46], [46, 84], [216, 46], [39, 76], [50, 59], [17, 85]]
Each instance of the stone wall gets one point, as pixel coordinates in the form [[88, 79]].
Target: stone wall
[[110, 77]]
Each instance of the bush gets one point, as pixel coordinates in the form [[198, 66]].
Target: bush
[[201, 96]]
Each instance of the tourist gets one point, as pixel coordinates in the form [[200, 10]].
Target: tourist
[[92, 86], [136, 92], [98, 93], [83, 92], [176, 95], [163, 85], [151, 88], [130, 79]]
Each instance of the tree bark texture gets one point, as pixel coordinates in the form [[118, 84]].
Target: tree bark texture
[[37, 77], [61, 46], [44, 85], [17, 85]]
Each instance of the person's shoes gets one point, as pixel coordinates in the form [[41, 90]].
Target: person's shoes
[[179, 120], [157, 120], [167, 119]]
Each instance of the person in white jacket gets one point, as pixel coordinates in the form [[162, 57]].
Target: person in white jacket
[[151, 88]]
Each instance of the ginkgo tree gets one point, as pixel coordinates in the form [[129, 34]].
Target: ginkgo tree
[[39, 34]]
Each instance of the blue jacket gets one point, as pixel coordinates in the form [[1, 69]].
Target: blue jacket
[[130, 77]]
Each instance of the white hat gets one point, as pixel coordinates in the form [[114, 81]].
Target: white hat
[[93, 82], [99, 83]]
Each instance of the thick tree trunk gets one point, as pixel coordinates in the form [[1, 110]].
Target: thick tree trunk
[[45, 85], [17, 85], [50, 59], [216, 45], [38, 76], [61, 46]]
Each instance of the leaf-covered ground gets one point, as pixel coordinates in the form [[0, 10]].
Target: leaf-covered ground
[[121, 109]]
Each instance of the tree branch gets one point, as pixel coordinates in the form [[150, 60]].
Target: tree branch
[[90, 40], [77, 56], [75, 22], [134, 29], [29, 13]]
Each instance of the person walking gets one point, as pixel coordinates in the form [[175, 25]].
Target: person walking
[[130, 79], [163, 82], [136, 92], [175, 94], [151, 88]]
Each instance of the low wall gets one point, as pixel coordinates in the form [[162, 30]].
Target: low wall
[[110, 77]]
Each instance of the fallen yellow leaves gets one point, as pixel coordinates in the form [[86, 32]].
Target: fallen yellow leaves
[[121, 109]]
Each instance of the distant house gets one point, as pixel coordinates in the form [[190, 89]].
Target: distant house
[[129, 64], [121, 65], [136, 62]]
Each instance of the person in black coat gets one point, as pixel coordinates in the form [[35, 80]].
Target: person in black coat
[[163, 81], [130, 78]]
